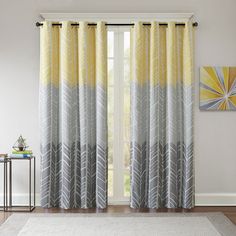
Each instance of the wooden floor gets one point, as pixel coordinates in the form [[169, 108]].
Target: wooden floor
[[230, 212]]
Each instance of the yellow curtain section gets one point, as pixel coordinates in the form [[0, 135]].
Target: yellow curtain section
[[101, 53], [140, 52], [163, 55], [171, 54], [49, 54], [87, 60], [68, 54], [73, 54], [188, 53]]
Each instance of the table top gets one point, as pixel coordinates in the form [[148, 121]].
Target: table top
[[4, 160], [3, 155], [20, 158]]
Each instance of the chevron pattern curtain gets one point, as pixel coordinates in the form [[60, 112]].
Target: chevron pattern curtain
[[73, 115], [162, 116]]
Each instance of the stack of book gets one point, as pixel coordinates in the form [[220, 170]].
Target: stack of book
[[21, 154], [3, 157]]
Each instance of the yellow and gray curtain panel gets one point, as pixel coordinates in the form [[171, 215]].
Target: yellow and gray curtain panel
[[162, 116], [73, 115]]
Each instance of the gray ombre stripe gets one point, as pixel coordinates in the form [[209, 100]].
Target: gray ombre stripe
[[73, 159], [161, 146]]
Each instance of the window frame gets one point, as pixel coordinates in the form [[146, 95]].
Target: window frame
[[118, 116]]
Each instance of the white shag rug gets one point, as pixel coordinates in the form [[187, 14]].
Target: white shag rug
[[103, 224]]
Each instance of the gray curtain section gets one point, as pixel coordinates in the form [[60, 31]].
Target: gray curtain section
[[161, 155], [70, 162], [73, 117], [73, 165], [161, 118]]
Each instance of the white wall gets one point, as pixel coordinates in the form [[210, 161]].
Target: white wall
[[215, 132]]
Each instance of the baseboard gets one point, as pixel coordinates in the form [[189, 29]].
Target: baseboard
[[201, 199], [22, 199], [215, 199], [118, 202]]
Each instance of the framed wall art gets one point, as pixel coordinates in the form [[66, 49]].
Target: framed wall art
[[218, 88]]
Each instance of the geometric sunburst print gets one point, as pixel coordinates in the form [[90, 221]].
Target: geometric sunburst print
[[218, 88]]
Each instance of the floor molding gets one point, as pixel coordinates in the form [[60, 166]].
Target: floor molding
[[215, 199], [201, 199], [22, 199]]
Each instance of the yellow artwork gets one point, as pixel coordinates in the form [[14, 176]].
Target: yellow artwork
[[218, 88]]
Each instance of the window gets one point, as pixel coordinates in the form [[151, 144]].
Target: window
[[118, 114]]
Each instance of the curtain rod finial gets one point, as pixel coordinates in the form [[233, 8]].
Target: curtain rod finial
[[195, 24], [38, 24]]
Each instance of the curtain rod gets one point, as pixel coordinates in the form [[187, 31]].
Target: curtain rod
[[195, 24]]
